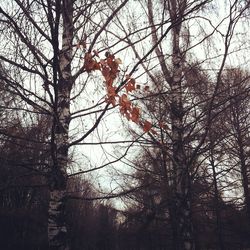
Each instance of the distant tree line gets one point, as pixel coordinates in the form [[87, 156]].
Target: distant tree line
[[219, 218]]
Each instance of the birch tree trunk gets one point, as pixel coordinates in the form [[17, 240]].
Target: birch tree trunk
[[182, 192], [57, 230]]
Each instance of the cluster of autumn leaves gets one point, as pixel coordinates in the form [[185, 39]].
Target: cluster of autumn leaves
[[109, 67]]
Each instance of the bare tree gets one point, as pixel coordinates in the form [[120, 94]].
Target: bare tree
[[44, 43], [42, 48], [189, 93], [237, 117]]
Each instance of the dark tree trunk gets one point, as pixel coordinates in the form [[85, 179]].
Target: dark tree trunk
[[219, 235]]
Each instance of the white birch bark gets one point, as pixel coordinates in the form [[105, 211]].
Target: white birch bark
[[182, 207], [57, 230]]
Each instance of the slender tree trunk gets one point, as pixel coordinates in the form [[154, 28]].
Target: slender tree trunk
[[57, 230], [219, 235], [243, 168], [245, 178], [245, 182], [239, 136], [182, 187], [180, 205]]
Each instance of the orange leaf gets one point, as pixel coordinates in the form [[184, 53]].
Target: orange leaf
[[147, 126], [90, 63], [125, 112], [135, 114], [124, 102], [113, 65], [130, 86], [111, 95], [109, 69], [111, 91], [106, 73], [96, 66], [125, 106], [114, 69], [111, 99]]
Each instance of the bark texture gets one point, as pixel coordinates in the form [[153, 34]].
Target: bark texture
[[182, 223], [57, 230]]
